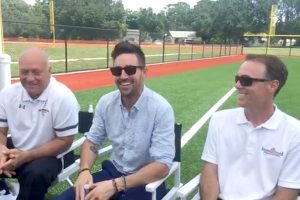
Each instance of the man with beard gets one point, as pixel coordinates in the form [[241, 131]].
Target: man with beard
[[139, 123]]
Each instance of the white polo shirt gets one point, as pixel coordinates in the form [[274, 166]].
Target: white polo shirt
[[253, 161], [34, 122]]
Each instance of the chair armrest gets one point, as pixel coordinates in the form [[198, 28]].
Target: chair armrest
[[151, 187], [74, 145], [104, 150], [189, 187], [67, 172]]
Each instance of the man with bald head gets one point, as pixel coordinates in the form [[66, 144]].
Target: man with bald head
[[41, 115]]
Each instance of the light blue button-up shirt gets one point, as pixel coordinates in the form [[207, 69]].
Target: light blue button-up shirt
[[139, 137]]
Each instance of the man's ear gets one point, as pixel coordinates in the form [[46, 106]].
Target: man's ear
[[145, 70], [274, 85]]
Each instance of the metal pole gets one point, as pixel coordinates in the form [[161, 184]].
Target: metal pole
[[242, 50], [267, 46], [66, 54], [163, 50], [203, 49], [179, 51], [192, 52], [291, 43], [107, 53]]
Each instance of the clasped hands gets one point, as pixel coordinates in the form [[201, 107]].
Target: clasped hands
[[10, 159]]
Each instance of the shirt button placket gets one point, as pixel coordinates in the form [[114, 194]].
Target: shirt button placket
[[251, 143]]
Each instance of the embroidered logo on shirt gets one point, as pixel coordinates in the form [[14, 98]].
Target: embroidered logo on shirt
[[272, 152], [22, 106], [43, 111]]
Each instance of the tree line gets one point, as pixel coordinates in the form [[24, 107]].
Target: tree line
[[213, 20]]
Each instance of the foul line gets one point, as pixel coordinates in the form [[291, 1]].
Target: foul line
[[195, 128]]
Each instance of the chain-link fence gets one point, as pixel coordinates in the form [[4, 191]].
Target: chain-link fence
[[76, 48], [280, 45]]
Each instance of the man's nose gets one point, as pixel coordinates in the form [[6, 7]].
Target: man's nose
[[30, 77], [238, 85], [123, 74]]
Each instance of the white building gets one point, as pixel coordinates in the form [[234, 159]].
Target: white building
[[180, 36]]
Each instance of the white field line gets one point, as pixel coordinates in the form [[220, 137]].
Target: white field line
[[103, 58], [196, 127], [69, 60]]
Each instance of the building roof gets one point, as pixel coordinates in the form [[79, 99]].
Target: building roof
[[182, 34]]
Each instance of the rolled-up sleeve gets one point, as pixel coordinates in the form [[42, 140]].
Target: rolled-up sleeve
[[163, 139]]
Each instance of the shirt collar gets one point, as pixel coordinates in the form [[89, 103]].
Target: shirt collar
[[272, 123], [139, 104], [240, 117], [43, 97]]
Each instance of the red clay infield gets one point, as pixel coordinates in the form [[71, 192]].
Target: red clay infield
[[80, 81]]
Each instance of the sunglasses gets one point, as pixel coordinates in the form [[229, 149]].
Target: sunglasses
[[129, 69], [247, 80]]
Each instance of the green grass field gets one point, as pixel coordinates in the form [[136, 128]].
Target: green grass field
[[191, 94], [94, 56]]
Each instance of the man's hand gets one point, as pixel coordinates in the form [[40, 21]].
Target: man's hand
[[15, 158], [3, 159], [84, 178], [103, 190]]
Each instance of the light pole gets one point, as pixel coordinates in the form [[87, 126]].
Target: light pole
[[52, 20], [1, 31]]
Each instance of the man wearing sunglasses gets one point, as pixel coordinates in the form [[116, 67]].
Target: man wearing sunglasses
[[140, 126], [253, 152]]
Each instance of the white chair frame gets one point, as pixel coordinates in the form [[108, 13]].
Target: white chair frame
[[190, 187]]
